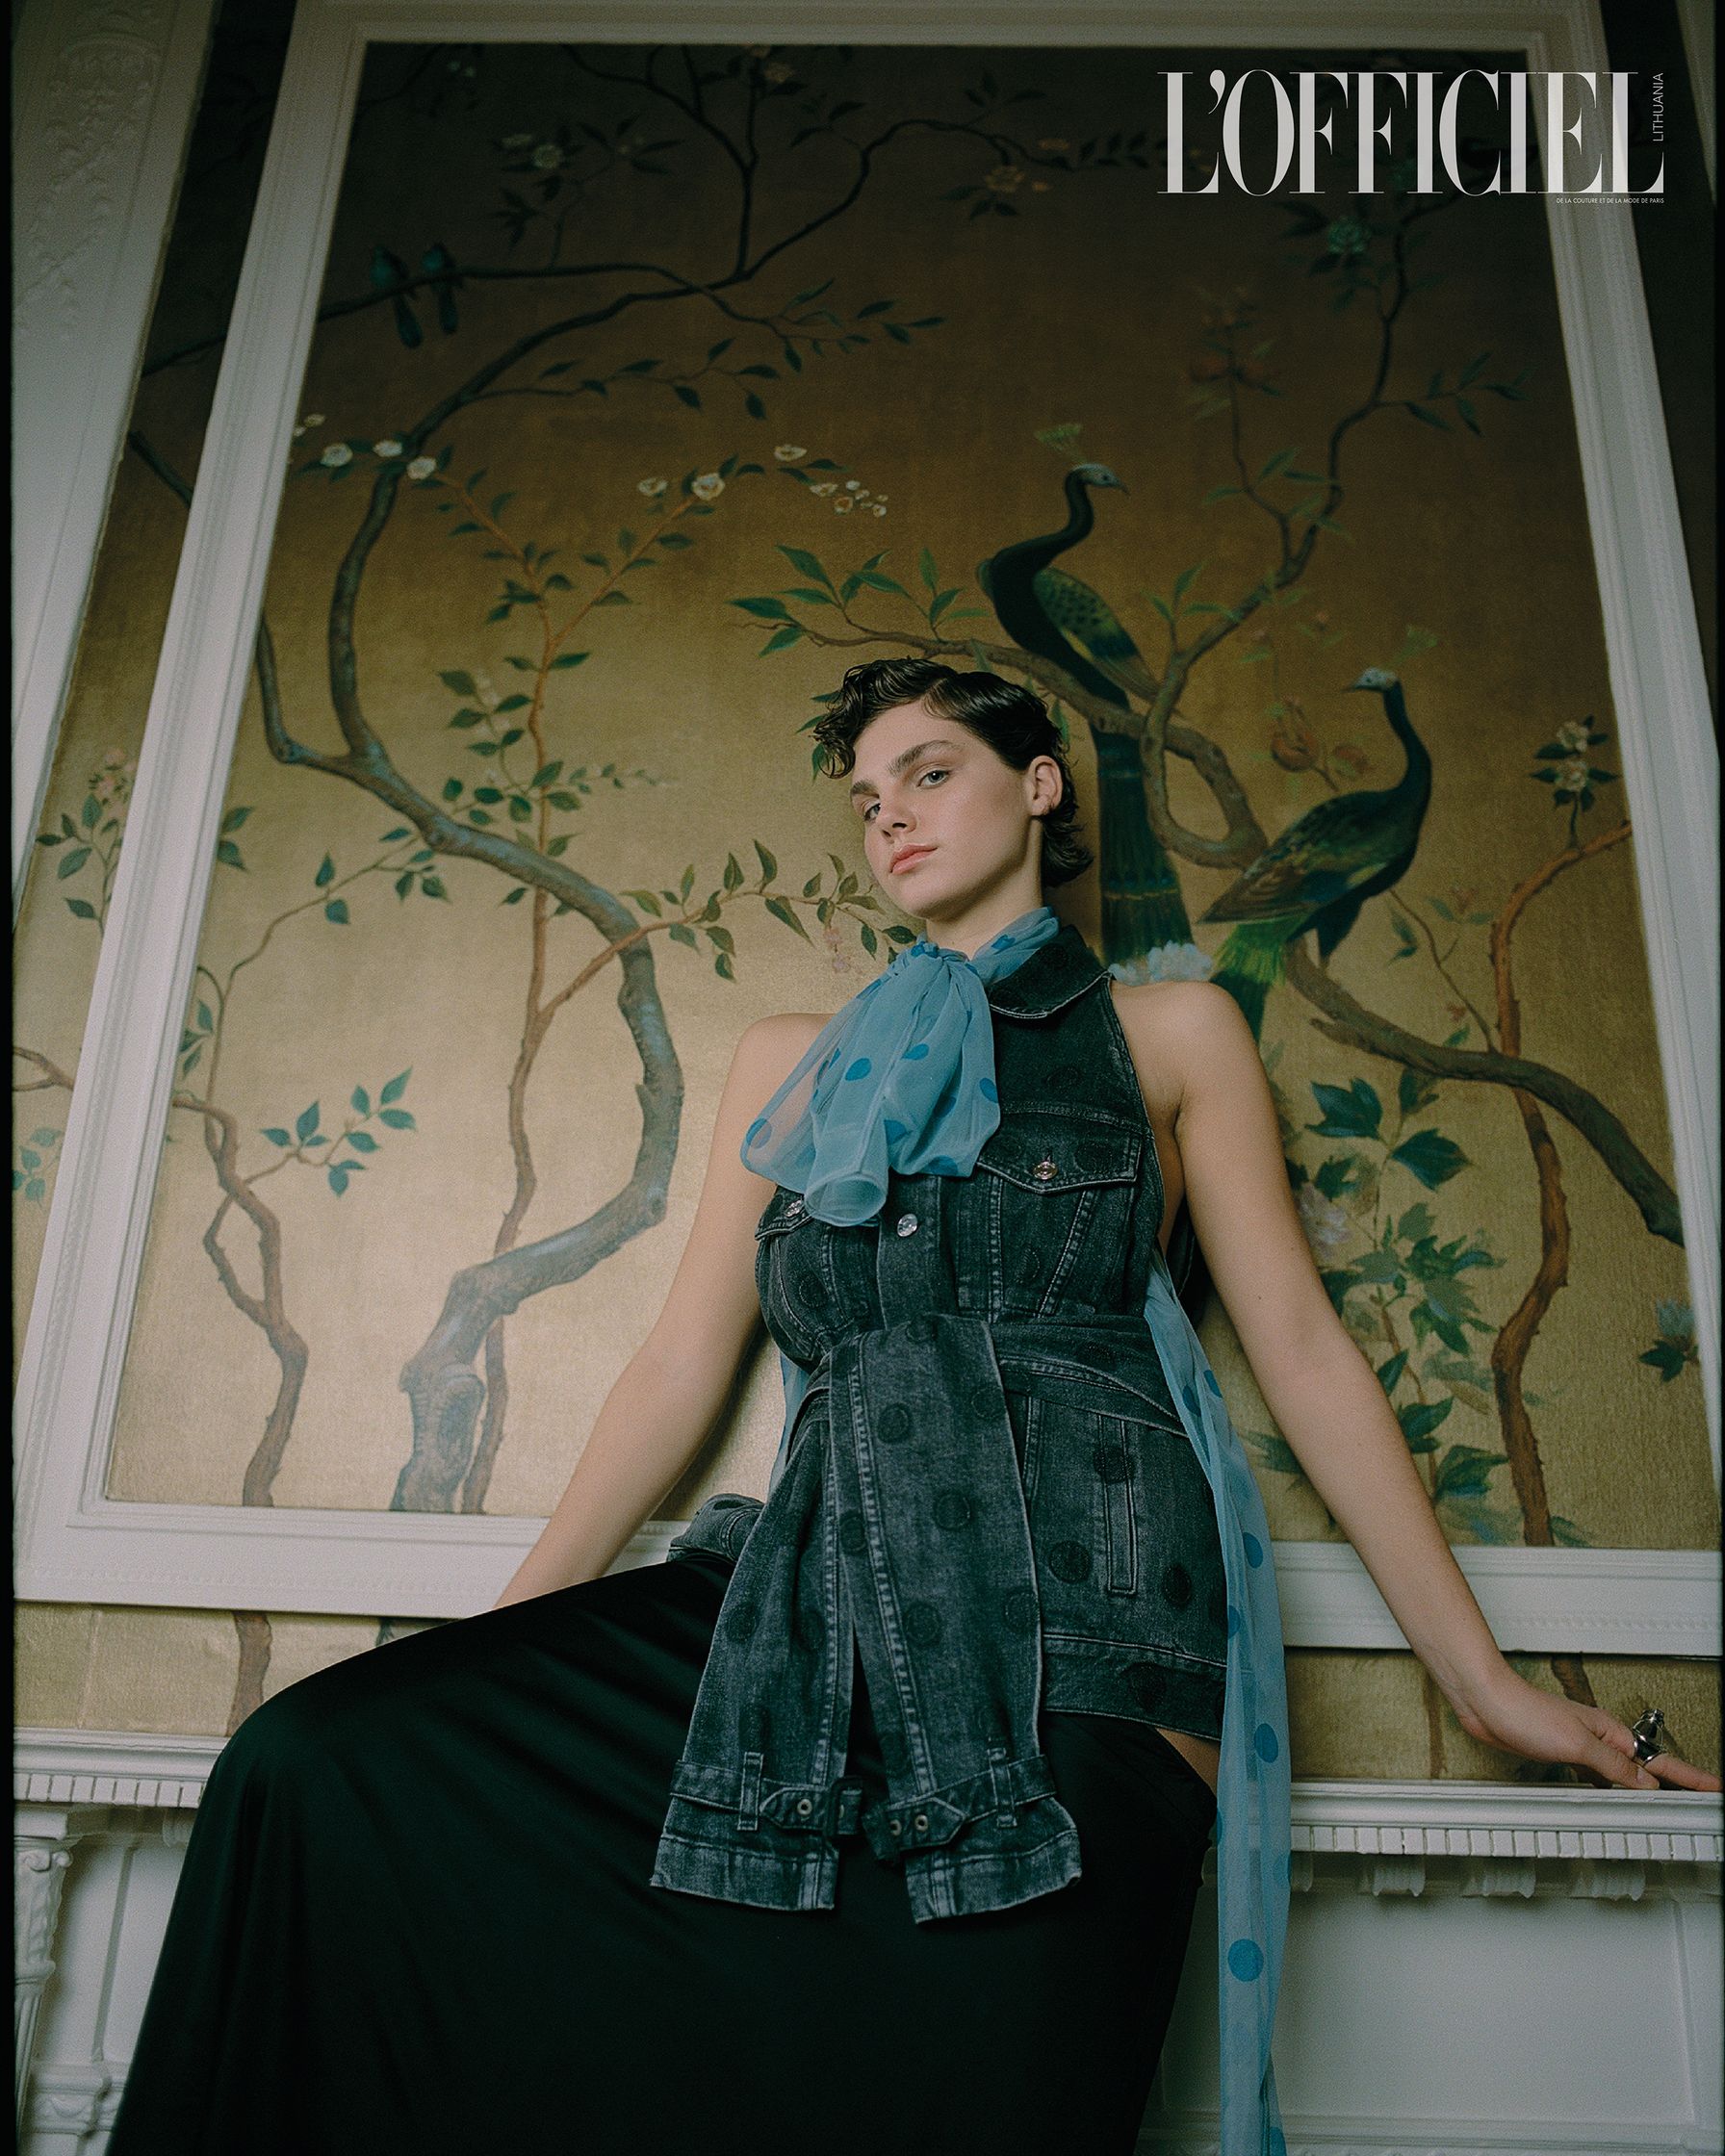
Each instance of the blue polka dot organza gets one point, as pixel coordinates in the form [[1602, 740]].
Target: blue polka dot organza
[[903, 1077]]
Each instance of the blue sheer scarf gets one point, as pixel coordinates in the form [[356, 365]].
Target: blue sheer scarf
[[902, 1078]]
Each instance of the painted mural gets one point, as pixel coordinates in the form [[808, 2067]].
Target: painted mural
[[651, 389]]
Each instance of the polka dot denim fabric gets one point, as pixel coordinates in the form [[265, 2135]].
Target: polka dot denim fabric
[[896, 1490]]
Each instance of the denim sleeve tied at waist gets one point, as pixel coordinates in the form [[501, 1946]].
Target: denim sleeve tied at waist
[[857, 1541], [861, 1540]]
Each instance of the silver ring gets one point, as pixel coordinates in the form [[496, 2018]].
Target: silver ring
[[1651, 1734]]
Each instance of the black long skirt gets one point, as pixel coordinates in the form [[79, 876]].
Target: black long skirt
[[414, 1920]]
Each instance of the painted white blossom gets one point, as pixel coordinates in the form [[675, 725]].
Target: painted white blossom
[[823, 486], [1168, 962], [111, 781], [851, 485], [422, 468], [314, 419], [787, 452], [299, 430], [843, 506], [1327, 1226], [651, 486], [388, 446], [1575, 736], [707, 486], [1572, 777], [337, 454], [842, 961], [545, 158], [879, 508], [516, 141]]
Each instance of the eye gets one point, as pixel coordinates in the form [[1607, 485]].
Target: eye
[[933, 771]]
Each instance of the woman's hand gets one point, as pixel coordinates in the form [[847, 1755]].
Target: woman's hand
[[1519, 1717]]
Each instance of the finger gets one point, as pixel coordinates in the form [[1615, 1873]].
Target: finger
[[1624, 1774], [1615, 1757], [1670, 1768]]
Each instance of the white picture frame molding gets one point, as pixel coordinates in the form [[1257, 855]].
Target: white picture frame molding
[[77, 1544], [103, 102]]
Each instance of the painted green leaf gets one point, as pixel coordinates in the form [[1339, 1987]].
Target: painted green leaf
[[566, 659], [1351, 1112], [82, 908], [1465, 1472], [781, 640], [70, 864], [1389, 1373], [325, 872], [362, 1142], [1415, 1089], [396, 1086], [307, 1122], [1419, 1418], [398, 1118], [782, 910], [360, 1101], [1429, 1156], [461, 682], [277, 1137]]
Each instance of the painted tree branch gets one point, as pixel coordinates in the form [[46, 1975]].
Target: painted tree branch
[[1348, 1022], [1509, 1350], [268, 1309]]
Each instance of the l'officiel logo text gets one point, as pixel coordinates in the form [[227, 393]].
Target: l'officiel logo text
[[1371, 104]]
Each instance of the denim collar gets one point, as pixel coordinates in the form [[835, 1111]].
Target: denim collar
[[1048, 978]]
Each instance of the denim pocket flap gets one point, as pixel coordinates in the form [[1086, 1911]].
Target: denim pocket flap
[[1044, 1151], [784, 1209]]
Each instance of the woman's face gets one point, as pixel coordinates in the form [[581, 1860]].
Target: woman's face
[[945, 822]]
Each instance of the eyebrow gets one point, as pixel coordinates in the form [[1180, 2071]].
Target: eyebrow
[[899, 761]]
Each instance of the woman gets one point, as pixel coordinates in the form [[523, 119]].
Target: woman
[[874, 1822]]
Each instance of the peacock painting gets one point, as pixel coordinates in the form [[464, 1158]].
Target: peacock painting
[[1319, 871], [1146, 933]]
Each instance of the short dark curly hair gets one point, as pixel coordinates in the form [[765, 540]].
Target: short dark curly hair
[[1009, 718]]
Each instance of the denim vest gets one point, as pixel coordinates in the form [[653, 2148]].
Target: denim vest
[[984, 1483]]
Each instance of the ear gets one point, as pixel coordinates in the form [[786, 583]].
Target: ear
[[1046, 785]]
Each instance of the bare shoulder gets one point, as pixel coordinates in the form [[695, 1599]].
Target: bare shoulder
[[771, 1046], [1182, 1034]]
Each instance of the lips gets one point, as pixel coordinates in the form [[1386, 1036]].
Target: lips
[[908, 856]]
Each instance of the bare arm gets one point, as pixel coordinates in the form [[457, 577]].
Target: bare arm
[[1324, 1395], [662, 1408]]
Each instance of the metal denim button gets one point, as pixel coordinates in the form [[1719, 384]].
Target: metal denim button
[[793, 1209], [804, 1806], [894, 1826], [1045, 1170], [907, 1224], [921, 1822]]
